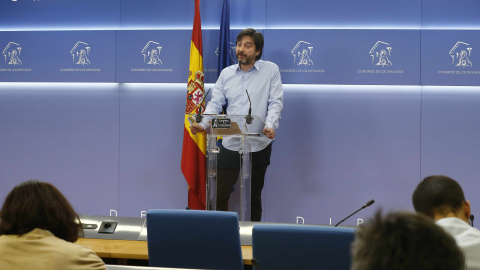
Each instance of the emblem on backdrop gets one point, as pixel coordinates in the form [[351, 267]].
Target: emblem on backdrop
[[232, 53], [12, 54], [301, 53], [380, 54], [151, 53], [460, 54], [80, 53]]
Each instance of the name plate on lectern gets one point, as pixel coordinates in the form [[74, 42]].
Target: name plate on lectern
[[222, 123]]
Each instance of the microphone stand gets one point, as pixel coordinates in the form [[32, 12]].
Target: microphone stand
[[199, 116], [366, 205], [249, 118]]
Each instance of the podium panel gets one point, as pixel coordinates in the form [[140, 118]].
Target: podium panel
[[237, 132]]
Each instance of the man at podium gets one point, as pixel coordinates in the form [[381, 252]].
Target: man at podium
[[255, 84]]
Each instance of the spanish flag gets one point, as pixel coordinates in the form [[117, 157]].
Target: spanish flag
[[194, 146]]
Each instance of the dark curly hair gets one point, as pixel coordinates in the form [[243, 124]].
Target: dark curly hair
[[257, 39], [404, 241], [35, 204]]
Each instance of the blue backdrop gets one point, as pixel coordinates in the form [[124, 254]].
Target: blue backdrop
[[378, 95]]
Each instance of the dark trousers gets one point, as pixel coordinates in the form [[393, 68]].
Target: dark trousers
[[228, 169]]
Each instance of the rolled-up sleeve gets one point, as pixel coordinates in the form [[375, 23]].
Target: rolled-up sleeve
[[275, 100]]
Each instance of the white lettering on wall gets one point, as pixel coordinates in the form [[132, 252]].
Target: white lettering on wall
[[359, 221], [114, 212], [300, 218]]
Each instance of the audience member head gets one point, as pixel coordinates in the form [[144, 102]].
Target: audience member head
[[35, 204], [257, 39], [439, 196], [404, 241]]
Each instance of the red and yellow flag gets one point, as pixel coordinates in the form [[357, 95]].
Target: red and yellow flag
[[194, 146]]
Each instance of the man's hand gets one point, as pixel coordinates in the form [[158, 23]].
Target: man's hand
[[269, 132], [196, 128]]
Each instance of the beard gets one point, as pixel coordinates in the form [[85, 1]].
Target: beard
[[247, 60]]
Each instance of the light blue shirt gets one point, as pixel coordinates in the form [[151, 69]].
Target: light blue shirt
[[264, 86]]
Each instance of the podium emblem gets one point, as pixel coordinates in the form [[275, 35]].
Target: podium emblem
[[221, 123]]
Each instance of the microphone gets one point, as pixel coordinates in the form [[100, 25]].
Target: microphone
[[471, 219], [199, 116], [366, 205], [249, 117]]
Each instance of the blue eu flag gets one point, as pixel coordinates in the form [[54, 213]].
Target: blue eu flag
[[224, 47]]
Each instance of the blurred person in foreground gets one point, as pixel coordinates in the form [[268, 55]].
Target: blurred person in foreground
[[38, 228], [441, 198], [404, 241]]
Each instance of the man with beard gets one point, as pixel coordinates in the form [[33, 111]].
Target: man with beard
[[262, 81]]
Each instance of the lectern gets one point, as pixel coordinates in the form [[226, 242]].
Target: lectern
[[240, 131]]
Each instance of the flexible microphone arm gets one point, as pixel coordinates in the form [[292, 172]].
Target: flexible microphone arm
[[471, 219], [199, 116], [249, 117], [366, 205]]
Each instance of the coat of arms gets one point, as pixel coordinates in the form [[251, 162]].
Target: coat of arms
[[195, 93]]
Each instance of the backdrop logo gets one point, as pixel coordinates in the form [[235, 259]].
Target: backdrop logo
[[460, 54], [231, 52], [80, 53], [380, 53], [301, 53], [151, 53], [12, 54]]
